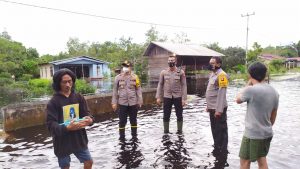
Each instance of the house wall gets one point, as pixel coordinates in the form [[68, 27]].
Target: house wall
[[46, 71], [192, 63], [158, 61], [56, 68], [106, 69], [97, 71], [93, 72]]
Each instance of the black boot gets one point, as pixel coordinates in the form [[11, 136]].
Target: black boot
[[166, 127], [134, 131], [122, 134], [179, 127]]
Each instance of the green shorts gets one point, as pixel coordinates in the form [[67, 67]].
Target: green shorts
[[252, 149]]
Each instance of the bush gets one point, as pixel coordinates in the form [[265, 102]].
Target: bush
[[5, 75], [277, 66], [234, 76], [6, 81], [239, 68], [40, 83], [39, 87], [26, 77], [83, 87]]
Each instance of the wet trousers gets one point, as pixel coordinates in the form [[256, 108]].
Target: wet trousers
[[124, 112], [168, 107], [219, 129]]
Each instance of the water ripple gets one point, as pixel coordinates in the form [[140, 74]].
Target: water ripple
[[32, 148]]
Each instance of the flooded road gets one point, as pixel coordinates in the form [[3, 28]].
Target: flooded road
[[32, 148]]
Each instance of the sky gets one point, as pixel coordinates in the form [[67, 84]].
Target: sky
[[276, 22]]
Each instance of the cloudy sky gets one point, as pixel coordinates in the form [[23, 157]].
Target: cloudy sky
[[276, 22]]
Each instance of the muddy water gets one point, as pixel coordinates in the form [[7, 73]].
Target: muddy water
[[32, 148]]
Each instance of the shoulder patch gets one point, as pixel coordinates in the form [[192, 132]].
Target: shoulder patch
[[223, 80], [138, 82]]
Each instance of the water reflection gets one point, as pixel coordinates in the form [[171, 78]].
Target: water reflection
[[103, 85], [174, 154], [221, 159], [130, 155], [33, 137], [32, 148]]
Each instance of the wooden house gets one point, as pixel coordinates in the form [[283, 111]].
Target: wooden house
[[189, 57]]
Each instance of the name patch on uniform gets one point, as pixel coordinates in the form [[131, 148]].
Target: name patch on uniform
[[223, 81]]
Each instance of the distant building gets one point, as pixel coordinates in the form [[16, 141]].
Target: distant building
[[269, 57], [189, 57], [292, 62], [288, 62], [83, 67]]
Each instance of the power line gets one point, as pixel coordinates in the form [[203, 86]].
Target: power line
[[103, 17]]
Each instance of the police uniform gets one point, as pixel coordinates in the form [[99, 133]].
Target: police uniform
[[216, 102], [172, 89], [127, 93]]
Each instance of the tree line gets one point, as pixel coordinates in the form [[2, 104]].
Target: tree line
[[23, 63]]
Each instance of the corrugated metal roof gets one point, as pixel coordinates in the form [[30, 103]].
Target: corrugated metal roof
[[63, 61], [293, 59], [183, 49], [270, 57]]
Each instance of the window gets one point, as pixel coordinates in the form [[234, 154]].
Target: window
[[51, 71], [46, 72]]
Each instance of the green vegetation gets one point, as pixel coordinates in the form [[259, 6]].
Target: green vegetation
[[83, 87], [234, 76], [295, 70], [234, 60], [19, 71], [276, 66], [26, 90]]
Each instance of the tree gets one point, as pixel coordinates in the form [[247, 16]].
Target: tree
[[234, 58], [5, 35], [12, 54], [253, 54], [296, 48], [31, 67], [153, 35], [181, 38], [270, 50], [291, 50], [32, 53], [214, 46], [76, 48]]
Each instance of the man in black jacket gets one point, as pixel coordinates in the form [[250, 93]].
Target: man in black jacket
[[67, 117]]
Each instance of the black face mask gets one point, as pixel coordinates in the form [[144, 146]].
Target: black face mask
[[211, 68], [171, 64]]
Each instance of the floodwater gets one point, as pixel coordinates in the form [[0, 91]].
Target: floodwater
[[32, 148]]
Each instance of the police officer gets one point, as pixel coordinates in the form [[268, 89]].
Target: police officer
[[217, 104], [172, 89], [127, 94]]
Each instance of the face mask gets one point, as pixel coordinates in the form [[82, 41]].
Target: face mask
[[125, 69], [210, 67], [171, 64]]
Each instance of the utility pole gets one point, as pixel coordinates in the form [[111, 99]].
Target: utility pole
[[247, 15]]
